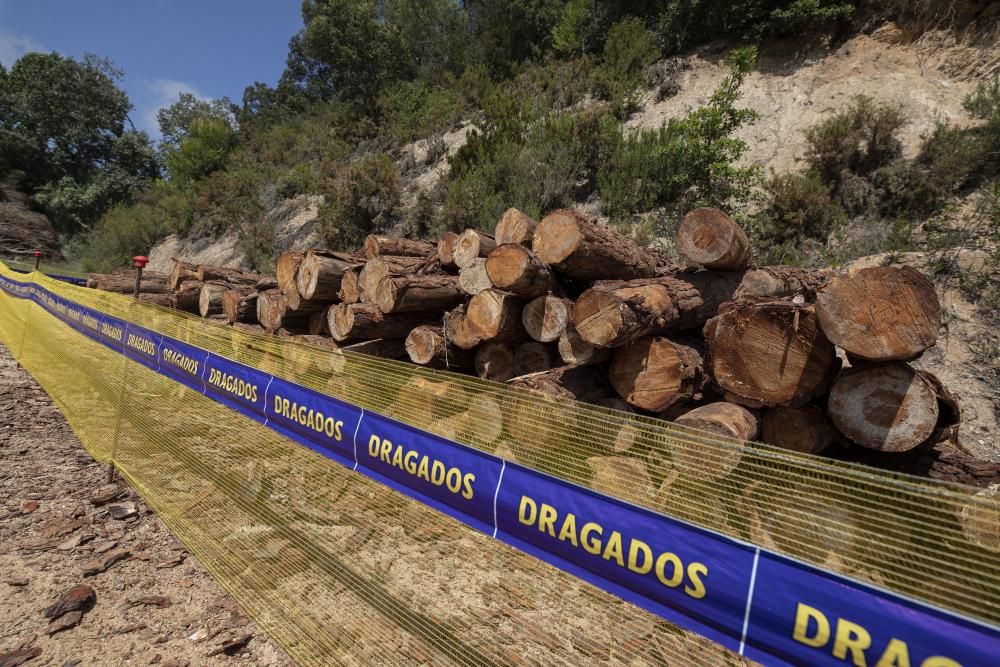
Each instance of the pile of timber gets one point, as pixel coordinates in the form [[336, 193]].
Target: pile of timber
[[807, 360]]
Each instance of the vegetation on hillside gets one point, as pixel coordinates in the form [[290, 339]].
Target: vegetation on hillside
[[546, 86]]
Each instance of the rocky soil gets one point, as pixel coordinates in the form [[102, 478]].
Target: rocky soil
[[138, 597]]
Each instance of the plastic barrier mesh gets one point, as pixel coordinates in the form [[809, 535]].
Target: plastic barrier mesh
[[338, 568]]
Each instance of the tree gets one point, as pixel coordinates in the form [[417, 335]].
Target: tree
[[63, 137], [203, 150], [509, 32], [175, 120]]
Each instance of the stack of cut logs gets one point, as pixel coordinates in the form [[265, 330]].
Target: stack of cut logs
[[572, 309]]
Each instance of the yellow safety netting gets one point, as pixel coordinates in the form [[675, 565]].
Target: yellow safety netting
[[339, 569]]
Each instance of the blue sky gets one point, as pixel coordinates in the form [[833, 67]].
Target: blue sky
[[210, 48]]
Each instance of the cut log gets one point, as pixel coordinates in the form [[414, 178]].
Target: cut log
[[621, 436], [612, 312], [426, 346], [240, 306], [655, 373], [458, 330], [319, 322], [272, 313], [377, 269], [187, 297], [575, 351], [124, 282], [515, 269], [769, 354], [287, 270], [577, 383], [207, 272], [363, 320], [980, 518], [350, 285], [778, 282], [422, 293], [473, 278], [585, 250], [622, 477], [546, 317], [163, 300], [886, 407], [880, 314], [379, 246], [703, 456], [515, 227], [710, 238], [470, 245], [446, 250], [531, 357], [425, 403], [320, 274], [180, 272], [495, 361], [805, 429], [210, 299], [384, 348], [299, 305], [496, 316]]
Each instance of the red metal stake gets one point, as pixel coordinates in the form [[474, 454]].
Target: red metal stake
[[38, 258], [139, 262]]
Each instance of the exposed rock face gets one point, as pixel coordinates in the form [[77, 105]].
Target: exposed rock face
[[23, 230]]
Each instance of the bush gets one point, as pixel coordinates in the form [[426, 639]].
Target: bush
[[123, 233], [361, 199], [415, 110], [628, 51], [203, 150], [296, 181], [799, 206], [856, 140], [984, 104]]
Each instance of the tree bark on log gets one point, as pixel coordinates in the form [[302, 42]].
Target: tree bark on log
[[655, 373], [779, 282], [296, 304], [180, 272], [320, 274], [380, 267], [379, 246], [210, 299], [319, 324], [421, 293], [383, 348], [470, 245], [531, 357], [240, 306], [350, 285], [207, 273], [621, 437], [515, 269], [710, 238], [980, 519], [546, 317], [473, 278], [575, 351], [165, 300], [124, 282], [187, 297], [495, 361], [711, 458], [887, 407], [363, 320], [458, 330], [426, 346], [287, 270], [582, 249], [272, 313], [515, 227], [805, 429], [615, 312], [880, 314], [496, 316], [446, 250], [769, 354], [572, 383]]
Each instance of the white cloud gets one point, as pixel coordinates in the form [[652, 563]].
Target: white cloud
[[163, 93], [13, 46]]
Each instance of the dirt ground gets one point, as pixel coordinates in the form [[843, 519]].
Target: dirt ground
[[154, 603]]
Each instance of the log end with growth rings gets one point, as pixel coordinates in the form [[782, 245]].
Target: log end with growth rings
[[710, 238]]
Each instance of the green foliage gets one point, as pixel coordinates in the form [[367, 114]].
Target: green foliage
[[203, 150], [628, 50], [577, 31], [123, 233], [856, 140], [798, 206], [362, 198], [984, 104], [414, 110], [175, 120], [807, 15], [296, 181], [63, 138], [691, 160]]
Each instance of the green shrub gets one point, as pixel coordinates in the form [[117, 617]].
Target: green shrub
[[123, 233], [361, 199], [691, 160], [296, 181], [856, 140], [984, 104], [415, 110], [799, 206], [203, 150], [628, 51]]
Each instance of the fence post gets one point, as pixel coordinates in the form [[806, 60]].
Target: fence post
[[38, 258]]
